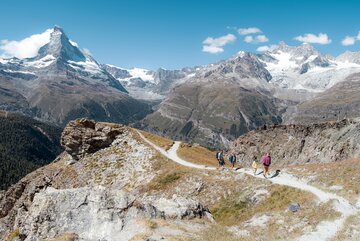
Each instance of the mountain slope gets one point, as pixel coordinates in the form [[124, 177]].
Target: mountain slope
[[62, 83], [25, 144], [219, 103], [340, 101]]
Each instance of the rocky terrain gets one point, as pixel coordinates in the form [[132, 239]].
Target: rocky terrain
[[299, 144], [25, 144], [92, 191], [111, 184], [62, 83]]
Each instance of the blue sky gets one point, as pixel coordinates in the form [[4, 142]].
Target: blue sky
[[170, 34]]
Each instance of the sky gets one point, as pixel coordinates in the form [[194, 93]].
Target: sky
[[174, 34]]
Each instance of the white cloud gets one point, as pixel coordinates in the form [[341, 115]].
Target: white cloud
[[25, 48], [257, 39], [261, 39], [220, 41], [358, 36], [212, 49], [246, 31], [321, 38], [266, 48], [249, 39], [348, 40], [215, 45]]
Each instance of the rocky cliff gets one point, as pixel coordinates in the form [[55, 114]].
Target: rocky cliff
[[298, 144]]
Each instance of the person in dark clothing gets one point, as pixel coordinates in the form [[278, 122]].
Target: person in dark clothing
[[220, 158], [232, 160]]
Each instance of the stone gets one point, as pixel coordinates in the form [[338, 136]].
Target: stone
[[98, 213], [294, 207], [81, 137]]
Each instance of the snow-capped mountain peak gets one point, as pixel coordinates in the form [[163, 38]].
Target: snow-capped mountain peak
[[60, 47], [349, 57]]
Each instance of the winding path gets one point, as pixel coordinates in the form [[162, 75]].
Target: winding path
[[324, 230]]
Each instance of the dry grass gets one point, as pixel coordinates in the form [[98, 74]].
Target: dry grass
[[237, 208], [14, 235], [158, 140], [343, 173], [217, 233], [162, 182], [197, 154], [168, 174]]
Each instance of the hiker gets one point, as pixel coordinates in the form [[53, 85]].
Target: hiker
[[266, 161], [232, 160], [254, 165], [220, 158]]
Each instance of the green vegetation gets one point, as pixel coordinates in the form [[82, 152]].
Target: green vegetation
[[25, 145]]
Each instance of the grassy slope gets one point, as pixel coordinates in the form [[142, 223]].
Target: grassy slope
[[197, 154], [158, 140]]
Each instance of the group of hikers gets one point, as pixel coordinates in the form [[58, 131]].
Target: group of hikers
[[265, 161]]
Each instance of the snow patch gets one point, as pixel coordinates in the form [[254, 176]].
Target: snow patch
[[88, 66], [41, 63]]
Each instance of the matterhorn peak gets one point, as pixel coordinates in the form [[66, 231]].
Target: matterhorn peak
[[60, 47]]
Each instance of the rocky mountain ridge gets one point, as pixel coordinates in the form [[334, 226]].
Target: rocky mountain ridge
[[299, 144]]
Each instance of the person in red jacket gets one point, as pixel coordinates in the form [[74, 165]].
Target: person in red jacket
[[266, 161]]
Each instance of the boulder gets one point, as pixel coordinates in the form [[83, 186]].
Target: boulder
[[82, 136]]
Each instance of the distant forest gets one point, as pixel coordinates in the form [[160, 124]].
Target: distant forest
[[25, 145]]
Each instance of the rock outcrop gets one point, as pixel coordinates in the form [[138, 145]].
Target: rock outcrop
[[82, 136], [97, 213], [297, 144]]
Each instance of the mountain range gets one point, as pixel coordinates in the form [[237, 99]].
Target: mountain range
[[210, 104], [284, 85]]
